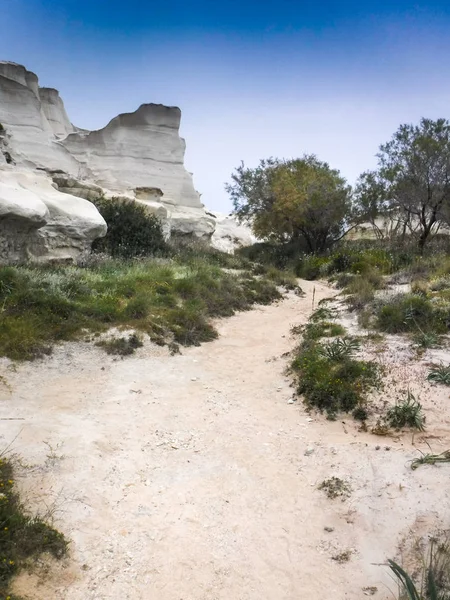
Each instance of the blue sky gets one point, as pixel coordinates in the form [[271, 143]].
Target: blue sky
[[253, 79]]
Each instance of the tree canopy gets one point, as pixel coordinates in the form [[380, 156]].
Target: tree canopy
[[412, 182], [289, 200]]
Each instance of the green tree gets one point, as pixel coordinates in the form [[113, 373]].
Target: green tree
[[293, 200], [413, 178]]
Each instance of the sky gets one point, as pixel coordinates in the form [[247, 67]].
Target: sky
[[253, 78]]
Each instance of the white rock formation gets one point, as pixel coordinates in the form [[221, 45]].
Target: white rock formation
[[139, 155], [23, 115], [135, 150], [230, 235], [39, 223]]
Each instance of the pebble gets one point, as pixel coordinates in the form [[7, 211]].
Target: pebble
[[309, 451]]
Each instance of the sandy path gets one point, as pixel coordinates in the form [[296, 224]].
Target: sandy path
[[192, 477]]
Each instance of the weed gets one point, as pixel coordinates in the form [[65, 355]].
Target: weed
[[424, 340], [327, 375], [22, 537], [122, 346], [335, 488], [433, 580], [430, 459], [315, 331], [411, 313], [406, 414], [340, 349], [440, 374], [360, 413]]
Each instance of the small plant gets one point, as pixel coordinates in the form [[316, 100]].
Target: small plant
[[340, 349], [430, 459], [406, 414], [321, 314], [122, 346], [334, 487], [342, 557], [440, 374], [22, 537], [433, 581], [317, 330]]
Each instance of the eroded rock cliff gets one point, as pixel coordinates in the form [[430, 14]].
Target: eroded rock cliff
[[139, 155]]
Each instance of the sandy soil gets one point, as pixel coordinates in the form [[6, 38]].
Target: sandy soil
[[195, 477]]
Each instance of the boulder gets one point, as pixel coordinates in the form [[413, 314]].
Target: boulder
[[230, 235], [39, 223]]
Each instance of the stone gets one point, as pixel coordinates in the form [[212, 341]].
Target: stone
[[39, 223], [229, 234], [137, 155]]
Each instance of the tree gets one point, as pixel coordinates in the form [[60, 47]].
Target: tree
[[292, 200], [414, 176]]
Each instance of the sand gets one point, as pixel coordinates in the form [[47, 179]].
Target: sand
[[195, 477]]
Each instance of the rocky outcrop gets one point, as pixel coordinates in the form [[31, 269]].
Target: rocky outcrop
[[230, 235], [138, 150], [39, 223], [139, 154], [32, 140]]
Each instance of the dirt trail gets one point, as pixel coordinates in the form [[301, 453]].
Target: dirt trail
[[193, 478]]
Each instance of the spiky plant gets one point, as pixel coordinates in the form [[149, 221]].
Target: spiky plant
[[340, 349], [407, 414], [440, 374]]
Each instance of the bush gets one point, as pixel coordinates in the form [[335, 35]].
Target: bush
[[411, 312], [406, 414], [332, 385], [132, 231], [311, 267]]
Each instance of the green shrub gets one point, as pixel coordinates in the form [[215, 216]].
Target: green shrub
[[411, 313], [440, 374], [339, 349], [332, 385], [132, 231], [406, 414], [311, 267], [22, 537]]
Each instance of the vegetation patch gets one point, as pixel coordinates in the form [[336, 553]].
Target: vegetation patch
[[22, 537], [408, 413], [335, 488], [328, 375], [123, 346], [412, 313], [440, 374], [171, 300], [431, 579], [132, 231]]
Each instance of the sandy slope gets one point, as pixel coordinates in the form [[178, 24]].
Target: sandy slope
[[192, 477]]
